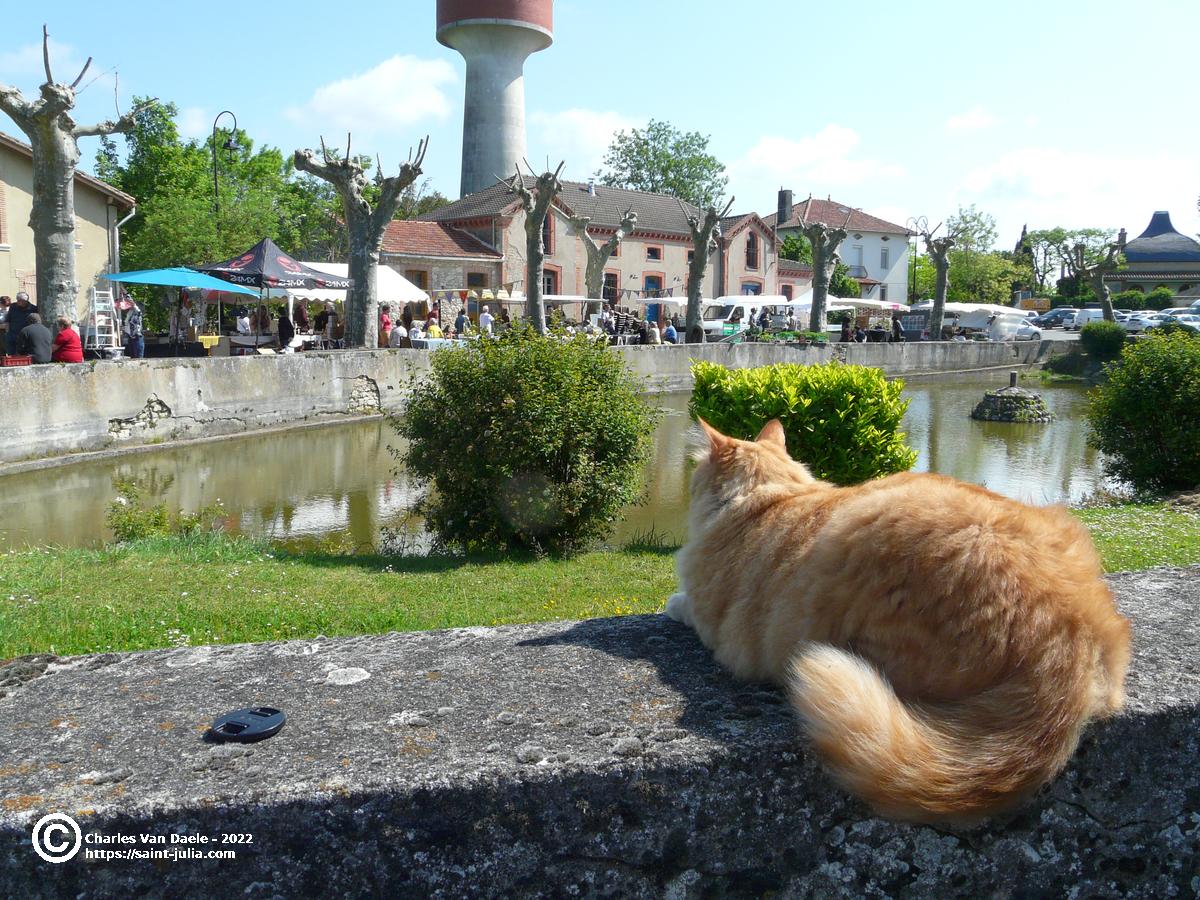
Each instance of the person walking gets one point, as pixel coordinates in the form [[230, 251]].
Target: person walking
[[35, 340], [485, 321], [287, 330], [385, 324], [67, 346], [135, 344], [462, 322]]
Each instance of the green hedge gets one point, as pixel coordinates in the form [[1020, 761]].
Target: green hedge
[[1102, 339], [841, 421], [1146, 417], [528, 443]]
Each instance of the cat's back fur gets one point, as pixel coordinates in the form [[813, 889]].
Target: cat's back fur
[[944, 645]]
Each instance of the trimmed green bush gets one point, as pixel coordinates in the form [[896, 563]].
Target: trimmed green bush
[[1146, 417], [840, 421], [1103, 340], [528, 443], [1131, 299], [1161, 297]]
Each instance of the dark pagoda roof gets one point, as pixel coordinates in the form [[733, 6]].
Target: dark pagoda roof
[[1160, 242]]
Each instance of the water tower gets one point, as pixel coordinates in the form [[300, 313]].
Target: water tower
[[495, 37]]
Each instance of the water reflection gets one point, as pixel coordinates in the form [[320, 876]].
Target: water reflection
[[303, 485]]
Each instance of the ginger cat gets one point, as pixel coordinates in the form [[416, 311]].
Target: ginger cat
[[944, 645]]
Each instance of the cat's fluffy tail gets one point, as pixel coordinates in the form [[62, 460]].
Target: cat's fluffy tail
[[955, 761]]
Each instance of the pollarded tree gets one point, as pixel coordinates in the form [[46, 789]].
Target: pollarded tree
[[939, 251], [537, 206], [54, 137], [703, 244], [365, 224], [824, 240], [1091, 267], [599, 254]]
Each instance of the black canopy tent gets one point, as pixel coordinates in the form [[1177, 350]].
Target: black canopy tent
[[266, 266]]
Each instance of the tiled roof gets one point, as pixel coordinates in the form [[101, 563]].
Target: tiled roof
[[415, 238], [793, 267], [122, 198], [656, 212], [830, 212]]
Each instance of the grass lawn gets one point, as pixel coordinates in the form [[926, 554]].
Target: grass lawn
[[217, 589]]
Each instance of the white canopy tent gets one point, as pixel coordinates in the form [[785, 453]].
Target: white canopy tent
[[962, 309], [391, 287]]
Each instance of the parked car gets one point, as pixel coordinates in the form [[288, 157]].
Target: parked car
[[1179, 311], [1054, 317], [1027, 331], [1139, 322], [1190, 321]]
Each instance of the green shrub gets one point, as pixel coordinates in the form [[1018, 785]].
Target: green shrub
[[130, 519], [1161, 297], [1131, 299], [1102, 339], [840, 421], [1146, 417], [528, 443]]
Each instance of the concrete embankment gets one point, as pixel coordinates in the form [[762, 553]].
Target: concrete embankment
[[62, 409], [603, 758]]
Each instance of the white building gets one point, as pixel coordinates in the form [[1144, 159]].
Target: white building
[[875, 251]]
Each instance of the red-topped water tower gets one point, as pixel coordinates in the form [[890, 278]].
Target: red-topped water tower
[[495, 37]]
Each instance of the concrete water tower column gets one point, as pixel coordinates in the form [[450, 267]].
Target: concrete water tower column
[[494, 37]]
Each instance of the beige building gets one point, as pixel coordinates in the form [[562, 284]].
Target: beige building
[[98, 209]]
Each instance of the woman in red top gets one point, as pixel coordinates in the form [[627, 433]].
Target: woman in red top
[[66, 343]]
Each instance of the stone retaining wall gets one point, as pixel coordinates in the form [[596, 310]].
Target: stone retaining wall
[[602, 758], [60, 409]]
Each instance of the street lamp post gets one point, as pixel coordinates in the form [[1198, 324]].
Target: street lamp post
[[918, 225], [230, 145]]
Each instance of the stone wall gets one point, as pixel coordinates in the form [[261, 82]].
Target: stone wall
[[60, 409], [603, 758]]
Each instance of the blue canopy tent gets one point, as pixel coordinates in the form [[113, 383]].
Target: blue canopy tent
[[180, 276]]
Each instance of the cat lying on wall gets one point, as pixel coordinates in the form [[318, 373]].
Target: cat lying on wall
[[944, 645]]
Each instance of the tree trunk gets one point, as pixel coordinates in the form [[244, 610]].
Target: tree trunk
[[821, 274], [1103, 294], [535, 257], [362, 318], [694, 328], [942, 285], [52, 220]]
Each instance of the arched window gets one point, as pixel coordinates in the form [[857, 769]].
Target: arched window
[[752, 251]]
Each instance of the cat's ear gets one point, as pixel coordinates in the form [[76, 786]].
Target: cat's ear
[[772, 433], [716, 440]]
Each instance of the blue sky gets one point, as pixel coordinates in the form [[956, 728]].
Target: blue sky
[[1064, 113]]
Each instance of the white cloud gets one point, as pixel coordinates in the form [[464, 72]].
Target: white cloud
[[1046, 187], [825, 162], [24, 68], [579, 136], [391, 97], [194, 122], [974, 119]]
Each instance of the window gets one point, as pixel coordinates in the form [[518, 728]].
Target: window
[[786, 290], [654, 254], [884, 262], [419, 277], [751, 250], [652, 284], [616, 252], [548, 232], [883, 288], [610, 286], [751, 288], [477, 280], [856, 255], [691, 257], [549, 282]]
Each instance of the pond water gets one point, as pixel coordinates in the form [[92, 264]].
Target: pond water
[[303, 485]]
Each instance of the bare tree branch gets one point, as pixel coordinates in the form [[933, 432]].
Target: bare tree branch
[[120, 126], [46, 54], [82, 72]]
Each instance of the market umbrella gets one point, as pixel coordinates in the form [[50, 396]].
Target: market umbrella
[[178, 276]]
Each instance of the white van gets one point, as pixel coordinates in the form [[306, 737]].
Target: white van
[[1082, 317], [730, 314]]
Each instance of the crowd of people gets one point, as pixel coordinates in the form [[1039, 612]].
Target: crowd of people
[[25, 334]]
